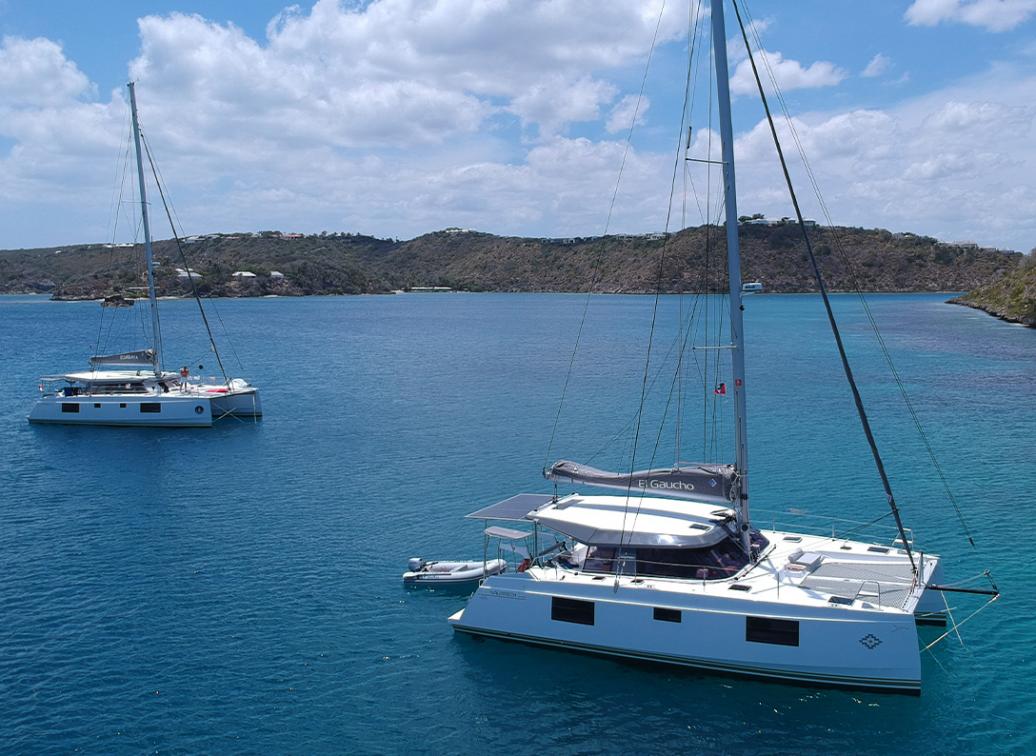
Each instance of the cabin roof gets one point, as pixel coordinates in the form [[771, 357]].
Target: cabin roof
[[108, 376], [635, 521], [618, 520]]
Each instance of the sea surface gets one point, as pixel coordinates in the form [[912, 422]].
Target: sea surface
[[237, 589]]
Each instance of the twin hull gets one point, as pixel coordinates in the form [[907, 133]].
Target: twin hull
[[835, 646], [165, 410]]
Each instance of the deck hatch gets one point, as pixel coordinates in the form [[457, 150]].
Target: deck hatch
[[572, 610], [769, 630]]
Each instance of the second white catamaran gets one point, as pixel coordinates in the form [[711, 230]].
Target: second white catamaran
[[673, 569], [131, 388]]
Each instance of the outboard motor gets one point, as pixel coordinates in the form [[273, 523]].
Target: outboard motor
[[414, 564]]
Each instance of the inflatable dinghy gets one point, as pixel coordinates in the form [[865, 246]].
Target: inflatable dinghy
[[422, 572]]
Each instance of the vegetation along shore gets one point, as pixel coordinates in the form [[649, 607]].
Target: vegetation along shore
[[267, 263]]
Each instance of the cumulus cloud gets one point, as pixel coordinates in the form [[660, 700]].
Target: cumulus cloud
[[35, 73], [994, 15], [790, 74], [398, 117], [949, 163], [555, 102], [878, 65], [629, 111]]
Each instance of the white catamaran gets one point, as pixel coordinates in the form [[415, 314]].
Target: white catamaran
[[131, 388], [674, 570]]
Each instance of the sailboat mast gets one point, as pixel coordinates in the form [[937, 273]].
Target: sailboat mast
[[156, 335], [719, 44]]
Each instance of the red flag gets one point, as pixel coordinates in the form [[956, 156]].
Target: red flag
[[721, 389]]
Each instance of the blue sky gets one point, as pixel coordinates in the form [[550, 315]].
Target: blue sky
[[398, 117]]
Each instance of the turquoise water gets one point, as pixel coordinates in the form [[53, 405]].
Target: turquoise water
[[237, 588]]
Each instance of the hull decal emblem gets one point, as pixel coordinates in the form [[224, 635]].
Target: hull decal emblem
[[871, 641]]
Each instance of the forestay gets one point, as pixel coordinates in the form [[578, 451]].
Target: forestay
[[697, 482]]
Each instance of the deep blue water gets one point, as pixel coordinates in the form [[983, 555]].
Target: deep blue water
[[237, 588]]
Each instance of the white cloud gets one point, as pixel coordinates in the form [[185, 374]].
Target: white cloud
[[954, 163], [555, 102], [345, 95], [755, 28], [398, 117], [627, 112], [396, 70], [960, 117], [790, 74], [994, 15], [879, 64], [35, 72]]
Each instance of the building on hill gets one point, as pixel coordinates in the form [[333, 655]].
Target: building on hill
[[276, 274], [243, 274]]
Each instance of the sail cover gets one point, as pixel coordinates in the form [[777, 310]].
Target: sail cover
[[698, 482], [139, 358]]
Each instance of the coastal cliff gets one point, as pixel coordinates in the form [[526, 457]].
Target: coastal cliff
[[1010, 297], [275, 263]]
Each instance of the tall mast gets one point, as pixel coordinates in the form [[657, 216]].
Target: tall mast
[[156, 334], [719, 44]]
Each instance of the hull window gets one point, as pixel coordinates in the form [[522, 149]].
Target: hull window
[[668, 615], [70, 406], [150, 407], [775, 631], [571, 610]]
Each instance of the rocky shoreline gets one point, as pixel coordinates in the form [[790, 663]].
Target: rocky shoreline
[[1011, 297]]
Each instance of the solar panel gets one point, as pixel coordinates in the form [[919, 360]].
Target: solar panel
[[513, 508]]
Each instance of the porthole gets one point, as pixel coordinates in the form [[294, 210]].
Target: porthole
[[199, 409]]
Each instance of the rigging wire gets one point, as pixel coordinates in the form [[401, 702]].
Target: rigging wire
[[599, 263], [113, 223], [677, 162], [708, 260], [850, 268], [226, 333], [183, 257], [858, 400], [629, 423], [693, 27]]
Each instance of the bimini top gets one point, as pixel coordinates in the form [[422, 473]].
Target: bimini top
[[618, 520]]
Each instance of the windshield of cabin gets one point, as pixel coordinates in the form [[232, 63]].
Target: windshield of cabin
[[722, 560]]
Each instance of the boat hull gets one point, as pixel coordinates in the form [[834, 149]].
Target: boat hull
[[124, 410], [859, 649], [243, 403], [170, 410]]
